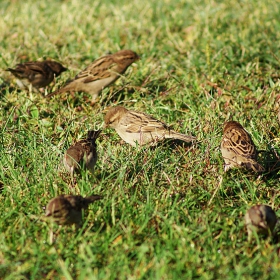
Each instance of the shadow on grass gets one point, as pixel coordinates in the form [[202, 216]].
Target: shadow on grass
[[271, 160], [7, 88]]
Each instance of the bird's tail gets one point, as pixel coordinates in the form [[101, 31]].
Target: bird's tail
[[253, 165], [11, 70], [54, 93], [93, 134], [17, 72], [65, 88], [92, 198], [180, 136]]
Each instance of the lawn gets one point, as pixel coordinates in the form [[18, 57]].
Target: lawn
[[170, 211]]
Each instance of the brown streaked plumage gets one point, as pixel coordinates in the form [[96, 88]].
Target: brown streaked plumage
[[100, 74], [261, 219], [137, 127], [38, 74], [82, 153], [67, 209], [238, 149]]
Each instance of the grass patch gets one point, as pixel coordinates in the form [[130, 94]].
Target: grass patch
[[202, 63]]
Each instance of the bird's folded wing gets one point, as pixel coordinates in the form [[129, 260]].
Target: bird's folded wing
[[37, 67], [97, 71], [146, 127]]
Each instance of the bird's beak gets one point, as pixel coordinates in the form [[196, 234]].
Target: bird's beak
[[263, 224]]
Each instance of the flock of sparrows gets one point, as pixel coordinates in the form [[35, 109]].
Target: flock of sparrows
[[135, 128]]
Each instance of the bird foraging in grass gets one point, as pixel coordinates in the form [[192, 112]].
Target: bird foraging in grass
[[238, 149], [36, 74], [82, 154], [67, 209], [99, 74], [137, 127], [260, 219]]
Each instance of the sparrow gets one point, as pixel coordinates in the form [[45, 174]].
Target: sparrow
[[83, 153], [261, 219], [238, 149], [137, 127], [67, 209], [100, 74], [38, 74]]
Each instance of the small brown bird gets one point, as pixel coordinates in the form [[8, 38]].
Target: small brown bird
[[238, 149], [38, 74], [261, 219], [67, 209], [100, 74], [137, 127], [82, 153]]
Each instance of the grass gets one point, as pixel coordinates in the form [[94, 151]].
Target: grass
[[202, 63]]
